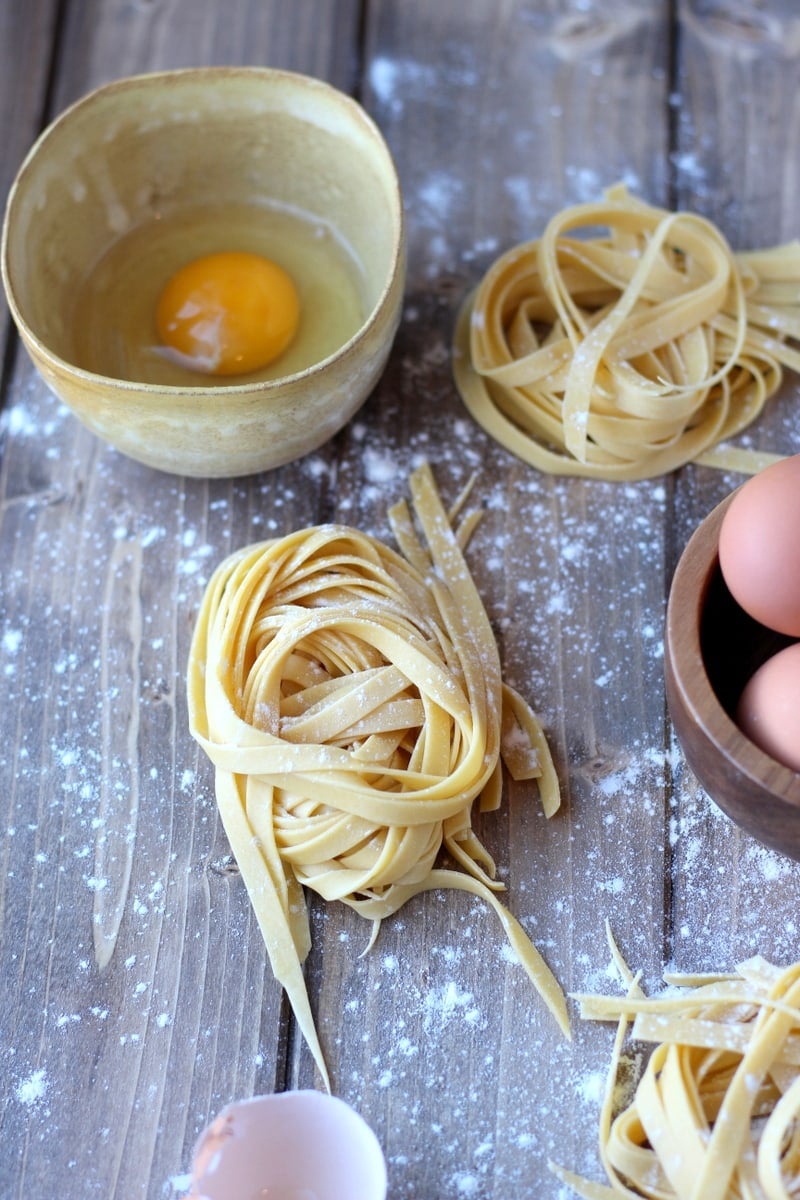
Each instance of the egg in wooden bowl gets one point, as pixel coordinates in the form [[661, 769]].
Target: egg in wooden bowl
[[713, 651], [207, 265]]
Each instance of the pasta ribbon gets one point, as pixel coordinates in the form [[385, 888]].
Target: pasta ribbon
[[715, 1114], [627, 354], [350, 697]]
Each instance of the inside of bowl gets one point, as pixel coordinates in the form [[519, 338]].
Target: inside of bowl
[[733, 645], [144, 148]]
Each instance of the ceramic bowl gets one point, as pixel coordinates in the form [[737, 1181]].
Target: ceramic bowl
[[141, 147], [711, 648]]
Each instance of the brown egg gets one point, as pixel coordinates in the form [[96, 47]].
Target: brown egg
[[759, 546], [769, 708]]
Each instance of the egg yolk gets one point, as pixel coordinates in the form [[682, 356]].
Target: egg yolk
[[228, 314]]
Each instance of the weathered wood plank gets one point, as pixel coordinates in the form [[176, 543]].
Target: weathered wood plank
[[738, 157], [498, 116], [136, 996], [134, 990], [27, 32], [738, 150], [158, 35]]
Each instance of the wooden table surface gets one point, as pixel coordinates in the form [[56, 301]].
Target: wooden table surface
[[135, 997]]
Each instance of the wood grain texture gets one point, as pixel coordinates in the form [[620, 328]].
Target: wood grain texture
[[736, 157], [135, 995], [739, 127], [27, 35], [495, 124]]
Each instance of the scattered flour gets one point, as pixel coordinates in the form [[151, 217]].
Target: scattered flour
[[537, 569], [33, 1089]]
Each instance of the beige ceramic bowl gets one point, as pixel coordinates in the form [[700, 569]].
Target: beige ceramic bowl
[[141, 146]]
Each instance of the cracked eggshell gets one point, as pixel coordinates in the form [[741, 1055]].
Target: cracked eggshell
[[301, 1145]]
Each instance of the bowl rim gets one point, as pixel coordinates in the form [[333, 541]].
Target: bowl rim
[[149, 79], [697, 565]]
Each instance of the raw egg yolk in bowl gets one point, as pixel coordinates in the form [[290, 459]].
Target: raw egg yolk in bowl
[[228, 313]]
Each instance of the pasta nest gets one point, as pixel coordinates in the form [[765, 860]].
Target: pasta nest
[[628, 354], [351, 699], [714, 1114]]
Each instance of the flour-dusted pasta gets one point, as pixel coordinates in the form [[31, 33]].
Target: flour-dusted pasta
[[351, 699], [626, 354], [715, 1114]]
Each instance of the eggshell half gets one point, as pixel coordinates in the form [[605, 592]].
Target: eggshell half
[[302, 1145]]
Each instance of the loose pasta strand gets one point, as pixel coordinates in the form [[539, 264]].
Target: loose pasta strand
[[714, 1115]]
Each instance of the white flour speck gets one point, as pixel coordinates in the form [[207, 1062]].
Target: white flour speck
[[12, 640], [444, 1003], [383, 75], [466, 1185], [379, 467], [34, 1088], [152, 535], [591, 1088]]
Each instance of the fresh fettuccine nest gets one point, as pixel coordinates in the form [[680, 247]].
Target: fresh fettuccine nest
[[716, 1112], [351, 699], [627, 354]]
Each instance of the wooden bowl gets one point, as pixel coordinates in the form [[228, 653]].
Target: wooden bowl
[[711, 648], [141, 148]]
